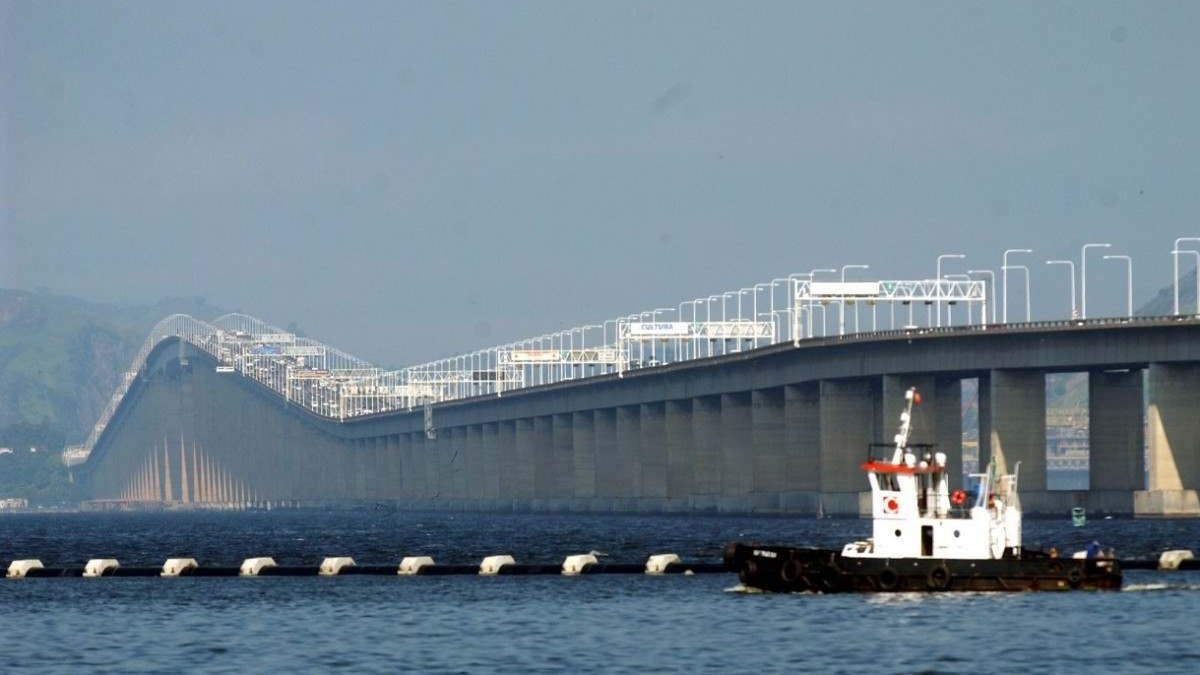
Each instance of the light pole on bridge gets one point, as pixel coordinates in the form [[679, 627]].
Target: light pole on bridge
[[1071, 264], [940, 258], [1083, 276], [1175, 255], [991, 284], [1128, 281], [842, 303], [1004, 278]]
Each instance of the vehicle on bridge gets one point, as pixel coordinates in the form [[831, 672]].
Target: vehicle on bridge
[[926, 538]]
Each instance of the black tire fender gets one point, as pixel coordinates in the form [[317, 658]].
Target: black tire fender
[[1074, 576], [938, 578], [888, 579]]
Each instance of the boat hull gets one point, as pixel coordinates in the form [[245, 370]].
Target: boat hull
[[789, 569]]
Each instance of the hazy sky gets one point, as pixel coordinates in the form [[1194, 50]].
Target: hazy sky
[[412, 180]]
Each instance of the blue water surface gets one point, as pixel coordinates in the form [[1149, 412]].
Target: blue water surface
[[589, 624]]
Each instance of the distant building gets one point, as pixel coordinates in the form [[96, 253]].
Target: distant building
[[13, 502]]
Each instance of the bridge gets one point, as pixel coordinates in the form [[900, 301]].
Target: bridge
[[747, 401]]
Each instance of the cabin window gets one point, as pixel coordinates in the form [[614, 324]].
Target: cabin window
[[926, 540]]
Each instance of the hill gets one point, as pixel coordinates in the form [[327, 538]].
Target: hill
[[60, 360]]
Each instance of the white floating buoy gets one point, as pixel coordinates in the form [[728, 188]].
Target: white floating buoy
[[177, 566], [17, 569], [98, 567], [657, 564], [412, 565], [575, 564], [493, 563], [1169, 560], [251, 567], [331, 567]]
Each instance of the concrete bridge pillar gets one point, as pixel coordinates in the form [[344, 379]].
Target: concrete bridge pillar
[[506, 459], [456, 463], [1018, 426], [1116, 439], [1173, 392], [473, 461], [737, 474], [608, 476], [583, 453], [523, 479], [706, 452], [654, 453], [802, 439], [677, 432], [543, 457], [489, 460], [563, 459], [629, 451], [849, 414], [768, 448]]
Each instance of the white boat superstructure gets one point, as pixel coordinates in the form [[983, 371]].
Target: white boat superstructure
[[917, 516]]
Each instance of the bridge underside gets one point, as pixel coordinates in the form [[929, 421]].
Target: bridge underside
[[188, 435]]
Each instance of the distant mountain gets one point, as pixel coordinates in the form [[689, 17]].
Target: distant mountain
[[60, 360], [1163, 302]]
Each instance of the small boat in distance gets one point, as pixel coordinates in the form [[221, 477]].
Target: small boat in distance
[[925, 538], [1078, 516]]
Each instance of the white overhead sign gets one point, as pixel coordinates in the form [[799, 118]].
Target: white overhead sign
[[275, 338], [667, 329], [297, 350], [848, 289]]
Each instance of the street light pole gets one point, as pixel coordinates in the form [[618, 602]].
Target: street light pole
[[940, 258], [842, 304], [1128, 281], [1175, 254], [1197, 254], [1004, 277], [991, 284], [1083, 276], [812, 275], [1071, 264]]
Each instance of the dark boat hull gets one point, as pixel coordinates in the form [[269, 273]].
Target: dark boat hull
[[789, 569]]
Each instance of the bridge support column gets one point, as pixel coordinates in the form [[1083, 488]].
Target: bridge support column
[[629, 449], [506, 451], [947, 410], [706, 452], [608, 476], [583, 453], [848, 418], [1174, 429], [523, 477], [654, 457], [678, 443], [737, 466], [456, 464], [1018, 416], [473, 463], [543, 462], [1116, 440], [562, 461], [489, 460], [802, 440], [768, 449]]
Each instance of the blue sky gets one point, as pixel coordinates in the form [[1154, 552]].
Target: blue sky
[[408, 180]]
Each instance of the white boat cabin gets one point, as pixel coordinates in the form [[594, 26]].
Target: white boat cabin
[[916, 516]]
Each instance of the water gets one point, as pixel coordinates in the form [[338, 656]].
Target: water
[[596, 624]]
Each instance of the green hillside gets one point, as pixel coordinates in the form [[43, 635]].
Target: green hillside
[[60, 360]]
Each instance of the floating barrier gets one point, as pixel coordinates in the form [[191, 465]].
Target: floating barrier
[[1171, 560], [496, 565], [492, 564], [659, 564], [577, 564], [175, 567], [412, 565], [253, 567], [19, 569], [331, 567], [99, 567]]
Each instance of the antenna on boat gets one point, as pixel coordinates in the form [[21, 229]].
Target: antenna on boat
[[911, 398]]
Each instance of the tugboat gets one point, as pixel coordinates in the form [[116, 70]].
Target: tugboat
[[926, 538]]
